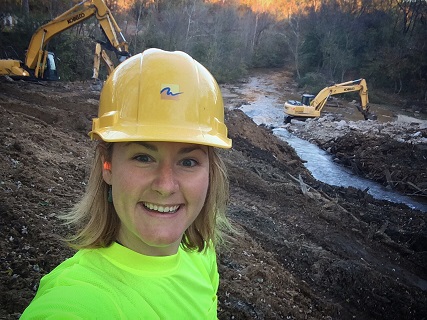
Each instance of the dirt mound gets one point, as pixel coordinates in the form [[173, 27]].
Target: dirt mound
[[305, 250]]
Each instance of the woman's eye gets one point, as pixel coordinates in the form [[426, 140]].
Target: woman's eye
[[189, 162], [143, 158]]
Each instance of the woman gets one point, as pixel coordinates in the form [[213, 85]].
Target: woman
[[147, 227]]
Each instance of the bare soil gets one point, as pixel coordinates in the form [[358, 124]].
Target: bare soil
[[306, 250]]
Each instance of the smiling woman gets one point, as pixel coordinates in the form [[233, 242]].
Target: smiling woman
[[158, 190], [154, 208]]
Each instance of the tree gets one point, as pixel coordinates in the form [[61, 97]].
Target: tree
[[294, 38], [411, 12], [25, 7]]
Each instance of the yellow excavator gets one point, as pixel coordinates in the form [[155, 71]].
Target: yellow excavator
[[40, 63], [311, 106]]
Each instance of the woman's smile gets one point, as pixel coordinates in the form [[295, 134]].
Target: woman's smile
[[161, 208]]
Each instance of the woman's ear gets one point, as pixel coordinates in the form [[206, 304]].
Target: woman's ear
[[106, 170]]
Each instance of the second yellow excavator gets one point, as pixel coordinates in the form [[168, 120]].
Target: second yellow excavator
[[311, 106], [40, 63]]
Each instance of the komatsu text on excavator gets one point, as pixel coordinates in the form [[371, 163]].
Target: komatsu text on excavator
[[311, 106], [40, 64]]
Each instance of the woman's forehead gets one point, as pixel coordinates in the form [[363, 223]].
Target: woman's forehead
[[157, 146]]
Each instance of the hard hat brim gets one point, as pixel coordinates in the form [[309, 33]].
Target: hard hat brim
[[157, 134]]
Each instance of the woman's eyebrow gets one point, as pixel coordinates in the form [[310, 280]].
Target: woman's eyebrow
[[183, 150], [191, 148], [147, 145]]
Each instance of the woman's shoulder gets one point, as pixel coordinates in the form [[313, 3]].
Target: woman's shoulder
[[81, 287], [71, 289], [70, 301]]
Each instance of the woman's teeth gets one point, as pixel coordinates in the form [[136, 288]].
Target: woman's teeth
[[163, 209]]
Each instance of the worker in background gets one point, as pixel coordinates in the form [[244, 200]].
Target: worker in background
[[152, 215]]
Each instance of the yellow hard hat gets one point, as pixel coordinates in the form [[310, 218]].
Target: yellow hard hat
[[161, 96]]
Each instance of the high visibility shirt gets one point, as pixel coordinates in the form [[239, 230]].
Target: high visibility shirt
[[118, 283]]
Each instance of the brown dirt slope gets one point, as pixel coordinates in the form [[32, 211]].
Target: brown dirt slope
[[305, 250]]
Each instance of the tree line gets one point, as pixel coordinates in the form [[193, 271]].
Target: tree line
[[384, 41]]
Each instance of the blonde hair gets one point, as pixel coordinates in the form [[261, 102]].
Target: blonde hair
[[97, 223]]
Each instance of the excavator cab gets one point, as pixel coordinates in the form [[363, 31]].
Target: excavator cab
[[307, 98], [50, 73]]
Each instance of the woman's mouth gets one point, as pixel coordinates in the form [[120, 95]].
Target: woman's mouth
[[160, 208]]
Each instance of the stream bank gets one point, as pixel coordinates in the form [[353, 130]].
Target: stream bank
[[374, 150]]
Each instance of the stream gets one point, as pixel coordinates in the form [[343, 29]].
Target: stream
[[323, 168], [265, 109]]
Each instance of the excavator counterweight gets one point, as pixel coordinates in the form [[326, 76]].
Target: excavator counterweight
[[13, 68]]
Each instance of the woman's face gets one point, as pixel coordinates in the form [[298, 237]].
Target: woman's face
[[159, 188]]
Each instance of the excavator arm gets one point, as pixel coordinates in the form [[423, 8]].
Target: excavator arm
[[37, 55], [100, 53], [356, 85]]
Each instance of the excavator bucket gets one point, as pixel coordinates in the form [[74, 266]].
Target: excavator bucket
[[100, 53], [367, 114]]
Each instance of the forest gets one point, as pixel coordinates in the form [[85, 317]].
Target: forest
[[322, 42]]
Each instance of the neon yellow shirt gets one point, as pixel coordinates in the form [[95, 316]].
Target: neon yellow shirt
[[118, 283]]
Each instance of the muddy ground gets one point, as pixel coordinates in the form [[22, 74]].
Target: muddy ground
[[305, 250]]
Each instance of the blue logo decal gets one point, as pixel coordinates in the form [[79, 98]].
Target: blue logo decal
[[169, 92]]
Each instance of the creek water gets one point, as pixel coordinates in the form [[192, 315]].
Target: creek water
[[263, 109], [323, 168]]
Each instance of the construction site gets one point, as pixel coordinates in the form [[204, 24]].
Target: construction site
[[328, 194], [305, 249]]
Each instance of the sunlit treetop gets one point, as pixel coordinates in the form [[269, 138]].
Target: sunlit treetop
[[278, 8]]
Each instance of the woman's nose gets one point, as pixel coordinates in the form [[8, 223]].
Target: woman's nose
[[165, 182]]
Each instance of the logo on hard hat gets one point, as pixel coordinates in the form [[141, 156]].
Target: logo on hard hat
[[170, 92]]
